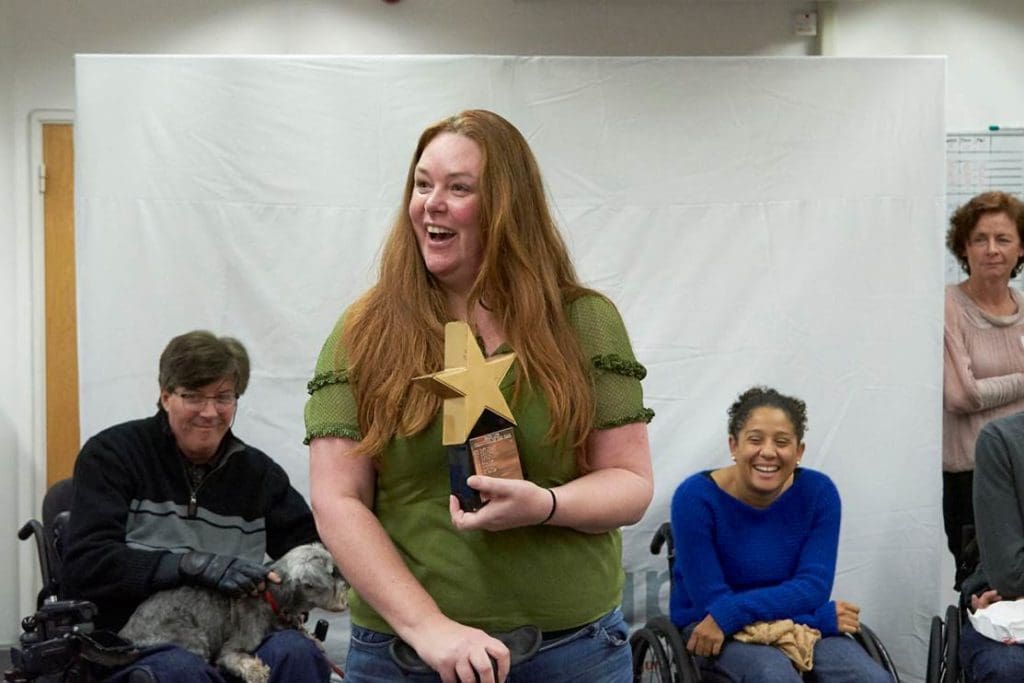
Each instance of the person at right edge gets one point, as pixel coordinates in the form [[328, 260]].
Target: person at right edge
[[983, 371], [475, 242], [999, 516]]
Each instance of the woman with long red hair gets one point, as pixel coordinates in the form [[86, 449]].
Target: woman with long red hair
[[475, 242]]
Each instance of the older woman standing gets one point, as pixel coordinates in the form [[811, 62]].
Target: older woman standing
[[475, 242], [983, 373]]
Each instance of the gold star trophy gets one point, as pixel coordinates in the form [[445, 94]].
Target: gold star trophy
[[476, 420]]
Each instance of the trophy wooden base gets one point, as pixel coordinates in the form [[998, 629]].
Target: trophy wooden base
[[490, 450]]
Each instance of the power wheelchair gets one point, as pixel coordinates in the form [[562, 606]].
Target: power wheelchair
[[659, 653], [59, 643]]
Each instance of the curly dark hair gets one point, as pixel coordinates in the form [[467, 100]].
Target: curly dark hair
[[760, 397], [196, 358], [963, 220]]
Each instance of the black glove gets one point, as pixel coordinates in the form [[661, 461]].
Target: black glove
[[226, 574]]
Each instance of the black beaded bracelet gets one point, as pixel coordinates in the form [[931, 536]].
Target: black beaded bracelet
[[554, 506]]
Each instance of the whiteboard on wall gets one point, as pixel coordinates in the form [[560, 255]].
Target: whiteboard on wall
[[748, 215], [981, 162]]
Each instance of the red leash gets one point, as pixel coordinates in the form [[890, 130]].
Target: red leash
[[269, 597]]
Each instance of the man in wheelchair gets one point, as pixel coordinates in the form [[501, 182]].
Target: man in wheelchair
[[168, 500]]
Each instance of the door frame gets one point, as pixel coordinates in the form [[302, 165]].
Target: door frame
[[32, 471]]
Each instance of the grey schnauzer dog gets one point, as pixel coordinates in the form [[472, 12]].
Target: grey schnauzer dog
[[224, 630]]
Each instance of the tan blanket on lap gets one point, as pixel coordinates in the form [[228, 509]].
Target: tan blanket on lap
[[795, 640]]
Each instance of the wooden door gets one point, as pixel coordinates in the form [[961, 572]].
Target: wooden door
[[62, 429]]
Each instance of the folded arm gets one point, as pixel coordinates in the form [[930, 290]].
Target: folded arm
[[962, 391]]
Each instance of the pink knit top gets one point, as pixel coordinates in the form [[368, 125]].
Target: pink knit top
[[983, 373]]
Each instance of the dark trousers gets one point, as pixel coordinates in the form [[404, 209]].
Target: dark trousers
[[957, 513], [292, 657], [989, 661]]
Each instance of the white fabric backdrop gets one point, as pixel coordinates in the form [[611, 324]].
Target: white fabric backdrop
[[756, 220]]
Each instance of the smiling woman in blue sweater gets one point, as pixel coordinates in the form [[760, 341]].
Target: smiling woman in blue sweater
[[757, 543]]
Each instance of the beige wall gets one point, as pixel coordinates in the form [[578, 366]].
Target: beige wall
[[981, 39]]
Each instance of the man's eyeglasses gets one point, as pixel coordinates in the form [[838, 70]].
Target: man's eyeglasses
[[197, 401]]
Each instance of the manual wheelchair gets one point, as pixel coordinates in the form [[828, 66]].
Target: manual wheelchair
[[659, 653], [944, 648], [944, 634]]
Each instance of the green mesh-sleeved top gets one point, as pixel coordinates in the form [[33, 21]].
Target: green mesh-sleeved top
[[553, 577]]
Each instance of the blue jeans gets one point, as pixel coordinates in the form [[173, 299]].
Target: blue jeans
[[291, 656], [837, 659], [596, 653], [989, 661]]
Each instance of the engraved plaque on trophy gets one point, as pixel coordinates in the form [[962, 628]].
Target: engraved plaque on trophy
[[476, 420]]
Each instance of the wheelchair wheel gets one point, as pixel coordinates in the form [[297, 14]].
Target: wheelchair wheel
[[681, 665], [650, 661], [951, 651], [935, 663], [876, 650]]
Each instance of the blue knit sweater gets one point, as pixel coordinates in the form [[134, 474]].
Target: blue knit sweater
[[743, 564]]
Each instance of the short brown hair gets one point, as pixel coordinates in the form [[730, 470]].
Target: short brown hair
[[196, 358], [967, 216]]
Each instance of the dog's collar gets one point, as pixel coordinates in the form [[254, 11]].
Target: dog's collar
[[269, 598]]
